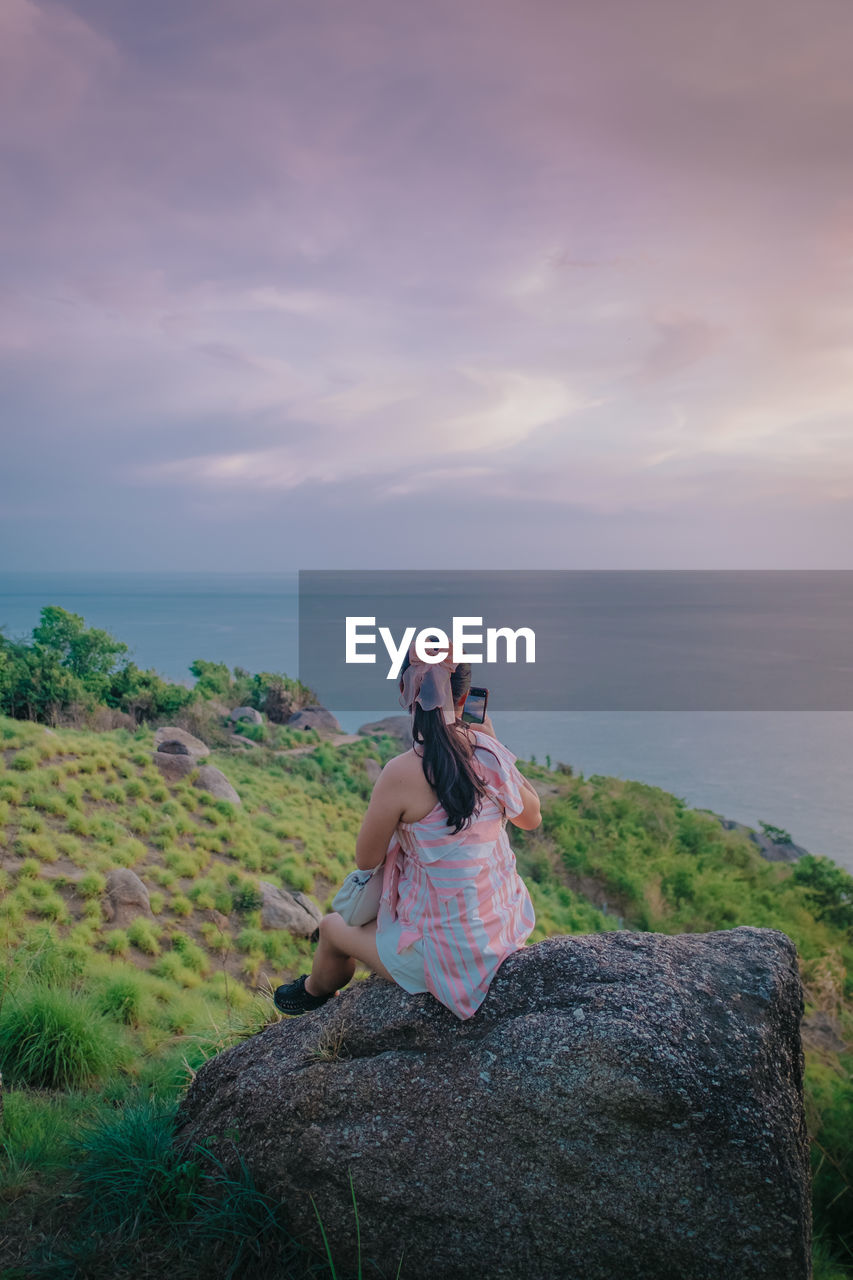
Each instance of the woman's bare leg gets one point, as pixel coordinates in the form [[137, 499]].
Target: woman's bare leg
[[340, 946]]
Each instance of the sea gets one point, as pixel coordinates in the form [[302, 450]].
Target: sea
[[788, 768]]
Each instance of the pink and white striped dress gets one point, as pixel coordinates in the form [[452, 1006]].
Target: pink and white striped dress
[[453, 906]]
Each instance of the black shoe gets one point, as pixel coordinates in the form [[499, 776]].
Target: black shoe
[[292, 998]]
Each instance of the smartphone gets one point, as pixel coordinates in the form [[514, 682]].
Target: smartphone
[[474, 709]]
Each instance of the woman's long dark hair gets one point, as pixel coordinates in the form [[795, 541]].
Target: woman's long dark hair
[[448, 756]]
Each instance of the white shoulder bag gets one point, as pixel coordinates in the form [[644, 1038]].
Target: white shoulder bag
[[357, 900]]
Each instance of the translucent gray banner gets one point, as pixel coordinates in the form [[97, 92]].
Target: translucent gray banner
[[605, 640]]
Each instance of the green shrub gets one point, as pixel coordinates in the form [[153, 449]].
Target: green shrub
[[41, 899], [246, 897], [30, 820], [163, 835], [171, 967], [215, 939], [139, 823], [52, 1038], [34, 1141], [828, 888], [143, 934], [129, 1171], [295, 875], [135, 1180], [122, 999], [107, 831], [117, 942], [190, 952], [251, 941], [37, 846], [184, 862], [91, 885]]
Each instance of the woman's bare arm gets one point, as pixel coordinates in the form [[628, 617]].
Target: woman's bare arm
[[386, 806], [531, 815]]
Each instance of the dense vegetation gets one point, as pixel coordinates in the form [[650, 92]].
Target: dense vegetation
[[68, 673], [101, 1026]]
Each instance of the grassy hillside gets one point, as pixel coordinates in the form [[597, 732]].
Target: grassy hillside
[[101, 1026]]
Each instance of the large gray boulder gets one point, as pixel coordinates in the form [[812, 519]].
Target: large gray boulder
[[208, 777], [173, 767], [621, 1104], [318, 718], [178, 742], [126, 897]]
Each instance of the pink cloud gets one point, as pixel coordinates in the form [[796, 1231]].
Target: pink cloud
[[594, 253]]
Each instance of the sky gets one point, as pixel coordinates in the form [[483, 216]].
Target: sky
[[507, 283]]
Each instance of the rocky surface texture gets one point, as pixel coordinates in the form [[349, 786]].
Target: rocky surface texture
[[174, 767], [208, 777], [178, 742], [772, 850], [126, 897], [621, 1104], [249, 714], [399, 727], [214, 781], [283, 909], [315, 718]]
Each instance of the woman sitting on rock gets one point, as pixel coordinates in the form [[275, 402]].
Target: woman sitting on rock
[[453, 905]]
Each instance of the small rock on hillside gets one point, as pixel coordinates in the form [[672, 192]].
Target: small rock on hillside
[[772, 850], [622, 1104], [281, 909], [214, 780], [315, 718], [399, 727], [249, 714], [177, 742], [126, 897]]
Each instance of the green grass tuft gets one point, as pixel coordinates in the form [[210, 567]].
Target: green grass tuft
[[52, 1038]]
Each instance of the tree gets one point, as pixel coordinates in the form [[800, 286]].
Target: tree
[[279, 696], [777, 834], [90, 654], [213, 679], [145, 695], [33, 683], [829, 887]]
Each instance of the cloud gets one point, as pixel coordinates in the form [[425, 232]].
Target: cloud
[[526, 253], [50, 62]]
